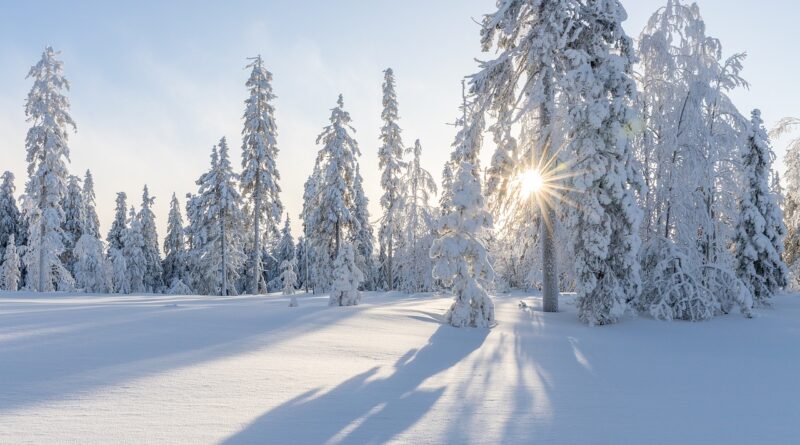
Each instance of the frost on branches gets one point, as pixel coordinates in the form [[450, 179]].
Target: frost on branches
[[346, 278], [47, 109], [760, 230], [133, 251], [460, 257]]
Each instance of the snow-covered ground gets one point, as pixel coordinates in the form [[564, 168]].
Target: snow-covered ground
[[250, 370]]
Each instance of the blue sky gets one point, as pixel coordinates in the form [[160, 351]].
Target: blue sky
[[156, 84]]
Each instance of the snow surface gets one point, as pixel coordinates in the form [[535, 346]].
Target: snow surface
[[250, 370]]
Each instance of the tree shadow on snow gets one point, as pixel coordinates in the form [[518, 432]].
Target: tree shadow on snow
[[366, 408]]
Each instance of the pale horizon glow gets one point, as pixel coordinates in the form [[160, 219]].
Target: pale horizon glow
[[156, 84]]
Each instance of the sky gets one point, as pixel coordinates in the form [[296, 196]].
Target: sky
[[156, 84]]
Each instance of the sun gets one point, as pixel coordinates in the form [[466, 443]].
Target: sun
[[531, 181]]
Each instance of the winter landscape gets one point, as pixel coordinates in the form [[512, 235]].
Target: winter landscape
[[569, 221]]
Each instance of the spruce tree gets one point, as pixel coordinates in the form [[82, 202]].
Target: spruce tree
[[390, 161], [91, 221], [599, 90], [760, 230], [362, 238], [119, 225], [47, 109], [174, 265], [221, 252], [259, 179], [153, 280], [347, 278], [74, 215], [10, 271], [10, 223], [460, 257], [331, 213], [133, 250]]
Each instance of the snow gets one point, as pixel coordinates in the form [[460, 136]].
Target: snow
[[98, 369]]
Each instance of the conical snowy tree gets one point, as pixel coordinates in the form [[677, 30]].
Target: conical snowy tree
[[605, 224], [133, 249], [289, 280], [760, 230], [174, 265], [119, 271], [259, 179], [11, 274], [91, 268], [221, 253], [331, 214], [119, 225], [74, 215], [346, 278], [153, 280], [47, 109], [91, 221], [10, 224], [414, 262], [390, 161], [284, 251], [460, 257], [303, 264], [309, 217], [363, 239]]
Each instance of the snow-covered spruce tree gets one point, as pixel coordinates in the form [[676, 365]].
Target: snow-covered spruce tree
[[74, 215], [221, 254], [414, 262], [284, 250], [362, 239], [759, 230], [119, 271], [174, 264], [91, 269], [308, 215], [11, 273], [259, 179], [153, 279], [390, 161], [599, 88], [460, 257], [195, 239], [10, 224], [119, 225], [91, 221], [330, 216], [303, 264], [289, 280], [133, 249], [47, 109], [347, 278]]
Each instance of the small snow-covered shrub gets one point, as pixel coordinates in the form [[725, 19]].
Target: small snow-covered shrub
[[670, 288]]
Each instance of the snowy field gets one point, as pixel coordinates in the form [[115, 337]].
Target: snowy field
[[245, 370]]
